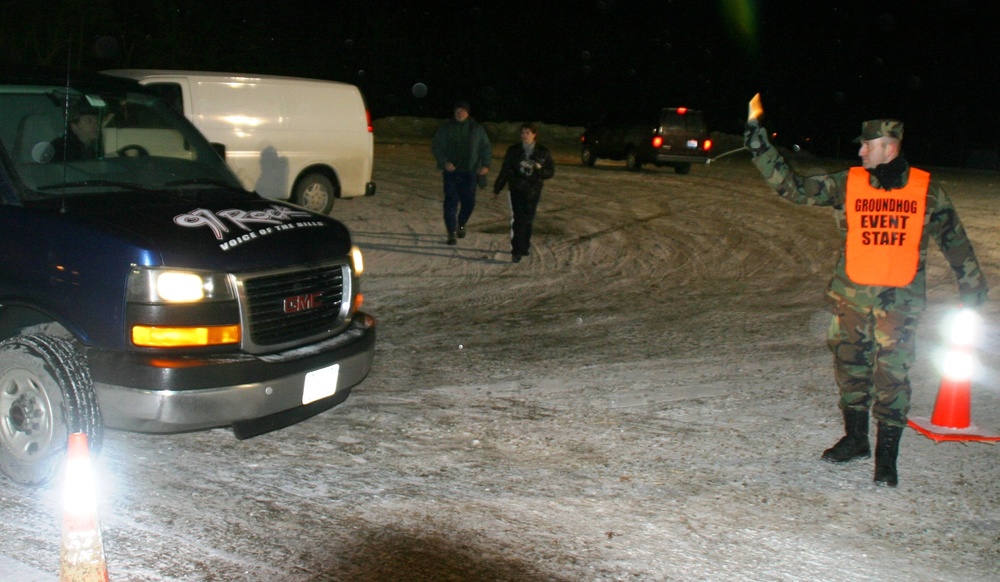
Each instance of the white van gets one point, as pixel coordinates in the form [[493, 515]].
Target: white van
[[304, 140]]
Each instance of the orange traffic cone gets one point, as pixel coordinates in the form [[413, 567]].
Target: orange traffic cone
[[951, 420], [82, 555]]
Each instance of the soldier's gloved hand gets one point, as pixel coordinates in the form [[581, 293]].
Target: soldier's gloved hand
[[755, 138]]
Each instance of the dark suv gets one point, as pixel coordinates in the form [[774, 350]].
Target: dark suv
[[675, 137]]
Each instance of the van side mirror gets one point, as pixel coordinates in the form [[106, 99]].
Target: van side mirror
[[220, 149]]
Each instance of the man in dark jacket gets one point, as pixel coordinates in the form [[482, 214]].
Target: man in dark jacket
[[463, 153], [525, 166]]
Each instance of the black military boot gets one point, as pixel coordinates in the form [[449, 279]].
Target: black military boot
[[886, 450], [854, 445]]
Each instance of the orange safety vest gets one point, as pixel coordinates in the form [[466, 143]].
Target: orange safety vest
[[884, 229]]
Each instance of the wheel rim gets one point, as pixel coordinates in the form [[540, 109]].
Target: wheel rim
[[315, 197], [26, 423]]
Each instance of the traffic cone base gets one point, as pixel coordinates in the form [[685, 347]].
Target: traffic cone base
[[942, 433], [952, 416]]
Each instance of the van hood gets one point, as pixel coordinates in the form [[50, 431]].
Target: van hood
[[228, 232]]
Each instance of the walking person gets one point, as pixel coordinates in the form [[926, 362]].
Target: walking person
[[886, 212], [526, 166], [463, 153]]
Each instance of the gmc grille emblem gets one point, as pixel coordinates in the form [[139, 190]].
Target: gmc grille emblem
[[300, 303]]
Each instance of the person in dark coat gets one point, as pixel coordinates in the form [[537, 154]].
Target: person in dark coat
[[463, 153], [525, 167]]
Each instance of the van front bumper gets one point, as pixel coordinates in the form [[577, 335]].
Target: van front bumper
[[145, 393]]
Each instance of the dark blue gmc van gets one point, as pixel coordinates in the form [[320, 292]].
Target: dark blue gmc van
[[142, 288]]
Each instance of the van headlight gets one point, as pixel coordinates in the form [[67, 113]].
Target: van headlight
[[175, 308], [160, 285]]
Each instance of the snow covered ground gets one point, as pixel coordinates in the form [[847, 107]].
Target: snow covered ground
[[644, 398]]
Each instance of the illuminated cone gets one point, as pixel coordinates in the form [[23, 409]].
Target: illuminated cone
[[82, 555], [951, 420]]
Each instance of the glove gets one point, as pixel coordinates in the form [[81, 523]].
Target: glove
[[755, 138]]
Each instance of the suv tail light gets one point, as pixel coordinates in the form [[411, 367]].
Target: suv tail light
[[657, 141], [706, 145]]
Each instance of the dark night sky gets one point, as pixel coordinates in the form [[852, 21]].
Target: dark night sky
[[821, 66]]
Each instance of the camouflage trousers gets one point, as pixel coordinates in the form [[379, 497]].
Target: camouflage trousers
[[873, 350]]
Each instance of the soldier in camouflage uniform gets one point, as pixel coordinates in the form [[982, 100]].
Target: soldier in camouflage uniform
[[878, 289]]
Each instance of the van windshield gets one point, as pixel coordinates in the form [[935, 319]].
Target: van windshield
[[61, 142]]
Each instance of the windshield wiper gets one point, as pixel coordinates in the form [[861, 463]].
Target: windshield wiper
[[88, 183], [201, 181]]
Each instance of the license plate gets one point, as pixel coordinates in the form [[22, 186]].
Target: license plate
[[692, 144], [320, 383]]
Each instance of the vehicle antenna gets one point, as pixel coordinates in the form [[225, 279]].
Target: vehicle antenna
[[69, 61]]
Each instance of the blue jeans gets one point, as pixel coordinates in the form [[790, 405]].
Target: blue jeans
[[459, 198]]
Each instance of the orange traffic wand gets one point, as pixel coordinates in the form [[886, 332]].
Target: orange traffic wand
[[952, 417], [82, 554]]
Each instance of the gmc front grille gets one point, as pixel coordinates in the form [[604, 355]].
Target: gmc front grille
[[292, 307]]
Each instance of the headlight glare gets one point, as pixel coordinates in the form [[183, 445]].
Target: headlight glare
[[181, 287], [357, 261]]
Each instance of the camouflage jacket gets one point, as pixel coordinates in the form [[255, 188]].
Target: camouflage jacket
[[941, 223]]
